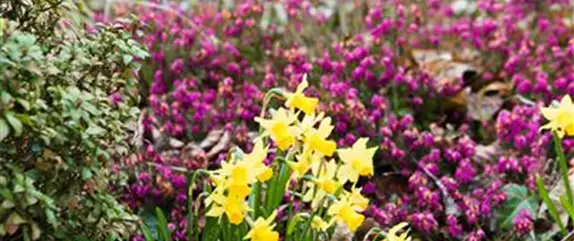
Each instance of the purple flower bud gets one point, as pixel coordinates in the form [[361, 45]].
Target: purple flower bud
[[523, 221]]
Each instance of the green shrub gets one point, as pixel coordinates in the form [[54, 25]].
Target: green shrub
[[59, 127]]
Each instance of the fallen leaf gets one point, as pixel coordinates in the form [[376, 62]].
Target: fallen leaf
[[486, 152], [483, 105], [342, 233], [175, 143], [426, 55], [212, 138], [222, 145]]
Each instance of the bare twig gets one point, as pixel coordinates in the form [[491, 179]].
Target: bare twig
[[449, 201], [569, 237]]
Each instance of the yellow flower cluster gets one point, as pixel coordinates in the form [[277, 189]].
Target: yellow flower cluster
[[233, 183], [303, 134]]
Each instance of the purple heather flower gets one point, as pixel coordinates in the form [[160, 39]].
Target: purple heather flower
[[424, 222], [477, 235], [523, 221], [454, 229], [465, 172]]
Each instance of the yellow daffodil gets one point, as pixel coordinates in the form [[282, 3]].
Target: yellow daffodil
[[319, 224], [324, 183], [303, 163], [309, 121], [357, 161], [262, 229], [255, 161], [316, 139], [344, 211], [234, 176], [561, 118], [265, 175], [280, 128], [233, 207], [300, 101], [392, 234], [357, 199]]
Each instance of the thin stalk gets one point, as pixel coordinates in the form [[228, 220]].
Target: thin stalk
[[290, 219], [192, 216], [563, 167], [255, 198], [309, 221], [551, 208]]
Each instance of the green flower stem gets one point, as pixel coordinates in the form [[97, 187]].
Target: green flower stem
[[255, 198], [563, 167], [193, 227], [310, 220], [288, 236], [551, 208]]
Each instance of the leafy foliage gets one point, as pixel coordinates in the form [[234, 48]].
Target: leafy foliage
[[67, 104]]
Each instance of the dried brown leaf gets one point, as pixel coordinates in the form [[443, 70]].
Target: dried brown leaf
[[342, 233], [422, 56], [483, 105], [221, 146], [211, 139], [487, 152]]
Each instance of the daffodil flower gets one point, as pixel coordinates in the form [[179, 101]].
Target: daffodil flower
[[324, 183], [262, 229], [303, 163], [344, 211], [234, 177], [309, 121], [357, 199], [300, 101], [561, 118], [255, 161], [232, 206], [316, 139], [357, 161], [392, 234], [280, 128]]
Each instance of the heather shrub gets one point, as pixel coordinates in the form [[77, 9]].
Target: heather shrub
[[68, 105]]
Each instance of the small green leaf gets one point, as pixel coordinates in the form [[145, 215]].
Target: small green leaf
[[4, 129], [24, 103], [518, 199], [95, 130], [86, 173], [14, 122], [127, 58], [6, 98]]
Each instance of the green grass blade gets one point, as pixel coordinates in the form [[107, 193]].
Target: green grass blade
[[567, 206], [146, 232], [163, 230], [551, 208]]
